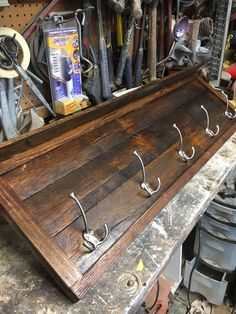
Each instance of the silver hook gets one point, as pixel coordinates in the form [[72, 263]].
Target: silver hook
[[90, 65], [144, 185], [181, 152], [208, 130], [91, 241], [228, 114]]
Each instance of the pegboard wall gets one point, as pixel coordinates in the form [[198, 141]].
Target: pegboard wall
[[17, 16], [19, 13]]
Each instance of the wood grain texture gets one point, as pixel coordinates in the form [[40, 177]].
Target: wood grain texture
[[65, 273], [108, 259], [91, 155]]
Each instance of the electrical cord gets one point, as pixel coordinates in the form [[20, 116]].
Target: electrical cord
[[149, 309], [194, 266]]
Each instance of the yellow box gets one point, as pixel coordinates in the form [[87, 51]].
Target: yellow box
[[65, 108]]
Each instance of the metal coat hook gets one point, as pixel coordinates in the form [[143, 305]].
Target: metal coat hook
[[181, 152], [208, 130], [91, 241], [228, 114], [144, 184]]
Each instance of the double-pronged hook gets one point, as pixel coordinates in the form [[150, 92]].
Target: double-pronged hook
[[208, 130], [91, 241], [181, 152], [144, 184], [228, 114]]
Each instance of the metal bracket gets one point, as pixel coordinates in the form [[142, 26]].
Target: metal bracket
[[181, 152], [144, 184], [91, 241], [208, 130]]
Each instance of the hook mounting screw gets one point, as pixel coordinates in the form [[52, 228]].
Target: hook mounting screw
[[181, 152], [91, 241], [208, 130], [144, 184]]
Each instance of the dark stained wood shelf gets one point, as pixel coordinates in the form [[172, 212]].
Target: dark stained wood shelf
[[90, 154]]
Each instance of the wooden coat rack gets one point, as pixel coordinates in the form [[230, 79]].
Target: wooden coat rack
[[91, 154]]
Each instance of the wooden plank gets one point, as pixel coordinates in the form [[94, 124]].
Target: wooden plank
[[94, 273], [52, 207], [49, 206], [62, 269], [123, 161], [26, 148], [49, 168]]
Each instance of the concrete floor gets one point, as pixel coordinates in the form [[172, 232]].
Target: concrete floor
[[179, 304]]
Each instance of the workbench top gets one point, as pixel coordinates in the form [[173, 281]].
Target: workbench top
[[25, 287]]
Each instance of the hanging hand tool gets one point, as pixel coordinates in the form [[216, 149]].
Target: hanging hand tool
[[119, 30], [87, 8], [139, 58], [152, 49], [109, 50], [90, 65], [168, 26], [128, 64], [136, 9], [113, 39], [128, 73], [9, 127], [125, 48], [124, 52], [106, 90], [117, 5], [161, 44], [137, 34], [9, 49]]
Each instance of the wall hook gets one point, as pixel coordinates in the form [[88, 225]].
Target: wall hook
[[228, 114], [91, 241], [144, 184], [181, 152], [208, 130]]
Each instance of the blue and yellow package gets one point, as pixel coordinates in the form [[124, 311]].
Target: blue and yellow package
[[64, 70]]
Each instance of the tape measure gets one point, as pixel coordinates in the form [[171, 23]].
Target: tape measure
[[23, 56]]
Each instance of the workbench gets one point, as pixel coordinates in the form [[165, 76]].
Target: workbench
[[25, 287]]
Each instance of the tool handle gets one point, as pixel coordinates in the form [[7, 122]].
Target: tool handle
[[168, 35], [110, 66], [86, 28], [119, 28], [137, 39], [136, 9], [161, 43], [124, 53], [106, 90], [153, 42], [138, 68], [128, 73]]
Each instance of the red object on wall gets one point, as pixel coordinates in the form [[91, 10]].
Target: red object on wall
[[232, 70]]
